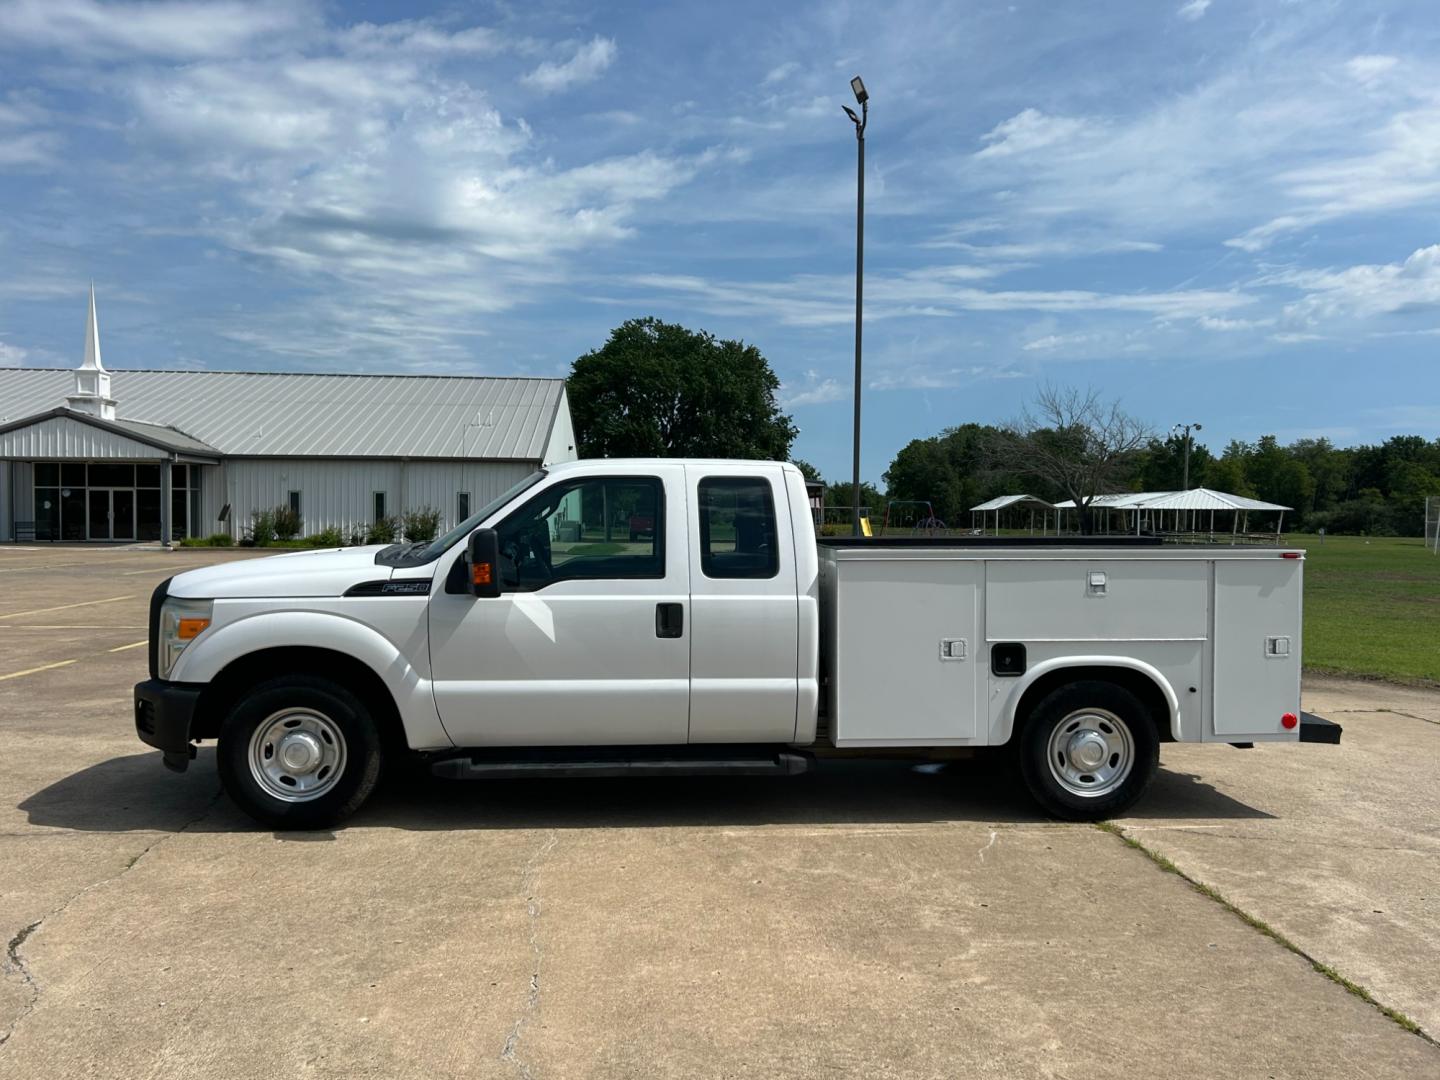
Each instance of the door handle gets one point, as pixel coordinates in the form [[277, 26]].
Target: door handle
[[669, 620]]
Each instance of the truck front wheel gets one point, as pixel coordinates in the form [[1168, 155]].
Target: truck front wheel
[[299, 752], [1088, 751]]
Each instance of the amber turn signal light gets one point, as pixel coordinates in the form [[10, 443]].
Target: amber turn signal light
[[190, 628], [480, 574]]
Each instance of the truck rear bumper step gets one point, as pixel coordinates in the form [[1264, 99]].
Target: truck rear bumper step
[[493, 766], [1317, 729]]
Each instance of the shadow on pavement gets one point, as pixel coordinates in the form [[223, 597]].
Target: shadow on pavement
[[135, 793]]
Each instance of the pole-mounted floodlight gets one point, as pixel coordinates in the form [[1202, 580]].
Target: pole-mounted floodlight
[[1187, 429], [862, 98]]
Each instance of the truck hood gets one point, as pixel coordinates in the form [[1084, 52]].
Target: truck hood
[[297, 573]]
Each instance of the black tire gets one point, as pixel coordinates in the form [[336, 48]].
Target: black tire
[[1088, 709], [344, 728]]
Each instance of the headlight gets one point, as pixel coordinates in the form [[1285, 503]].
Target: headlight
[[181, 622]]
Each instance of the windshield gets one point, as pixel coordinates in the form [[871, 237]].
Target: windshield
[[438, 547]]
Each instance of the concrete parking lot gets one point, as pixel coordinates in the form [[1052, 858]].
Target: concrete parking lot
[[867, 919]]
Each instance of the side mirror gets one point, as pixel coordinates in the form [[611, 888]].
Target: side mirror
[[484, 551]]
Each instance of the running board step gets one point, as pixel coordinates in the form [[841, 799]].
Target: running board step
[[597, 763]]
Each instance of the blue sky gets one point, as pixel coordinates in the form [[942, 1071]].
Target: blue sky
[[1216, 210]]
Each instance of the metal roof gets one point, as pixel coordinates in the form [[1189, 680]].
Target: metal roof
[[1005, 502], [1205, 499], [310, 415], [156, 435], [1194, 499]]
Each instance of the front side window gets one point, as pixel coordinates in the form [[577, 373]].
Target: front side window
[[601, 527], [737, 528]]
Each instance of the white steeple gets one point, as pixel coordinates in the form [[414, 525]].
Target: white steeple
[[92, 381]]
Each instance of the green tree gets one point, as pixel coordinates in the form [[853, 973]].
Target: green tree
[[810, 472], [838, 494], [1160, 466], [657, 389], [951, 471]]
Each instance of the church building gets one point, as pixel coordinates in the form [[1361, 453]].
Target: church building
[[139, 455]]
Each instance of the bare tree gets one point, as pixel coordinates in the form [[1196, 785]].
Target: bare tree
[[1073, 440]]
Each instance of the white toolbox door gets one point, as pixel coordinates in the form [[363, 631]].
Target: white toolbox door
[[1256, 647], [907, 651]]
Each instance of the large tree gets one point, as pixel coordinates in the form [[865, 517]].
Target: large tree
[[656, 389], [1076, 442]]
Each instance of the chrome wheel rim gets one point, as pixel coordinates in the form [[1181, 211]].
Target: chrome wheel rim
[[1090, 752], [297, 755]]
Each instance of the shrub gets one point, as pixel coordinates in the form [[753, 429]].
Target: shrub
[[262, 528], [382, 531], [218, 540], [422, 524], [286, 523], [330, 536]]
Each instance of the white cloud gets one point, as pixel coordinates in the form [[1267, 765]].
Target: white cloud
[[11, 355], [923, 377], [780, 73], [1193, 10], [815, 390], [588, 63], [1368, 68], [179, 28], [1291, 337], [936, 291], [1056, 341], [1368, 290], [1029, 130], [29, 149], [1224, 325]]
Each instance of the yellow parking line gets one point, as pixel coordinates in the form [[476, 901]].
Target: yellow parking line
[[33, 670], [132, 645], [67, 607]]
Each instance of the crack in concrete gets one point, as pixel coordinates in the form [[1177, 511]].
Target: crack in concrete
[[1385, 712], [994, 834], [1168, 865], [529, 879], [15, 962]]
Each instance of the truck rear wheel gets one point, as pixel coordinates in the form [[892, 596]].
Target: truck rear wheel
[[1088, 750], [299, 752]]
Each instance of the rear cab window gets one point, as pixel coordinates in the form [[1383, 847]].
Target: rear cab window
[[737, 528]]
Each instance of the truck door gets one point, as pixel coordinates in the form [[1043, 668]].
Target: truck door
[[589, 642], [744, 645]]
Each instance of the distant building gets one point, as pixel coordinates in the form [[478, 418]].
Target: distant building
[[91, 454]]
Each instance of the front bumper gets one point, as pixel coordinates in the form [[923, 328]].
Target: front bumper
[[163, 712]]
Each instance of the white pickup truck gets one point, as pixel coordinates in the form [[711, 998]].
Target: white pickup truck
[[548, 635]]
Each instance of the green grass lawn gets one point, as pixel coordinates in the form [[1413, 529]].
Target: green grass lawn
[[1372, 607]]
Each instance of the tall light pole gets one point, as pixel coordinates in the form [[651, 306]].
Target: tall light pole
[[862, 98], [1186, 428]]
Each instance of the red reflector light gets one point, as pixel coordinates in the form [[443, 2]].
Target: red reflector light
[[1289, 720], [1290, 555]]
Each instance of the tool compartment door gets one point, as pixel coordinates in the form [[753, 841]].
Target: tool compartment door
[[906, 651], [1256, 648]]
